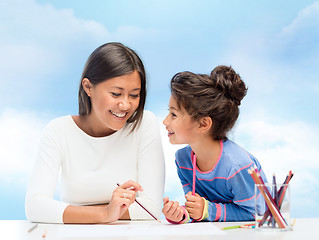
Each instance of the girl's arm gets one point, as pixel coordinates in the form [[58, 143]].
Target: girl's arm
[[242, 207]]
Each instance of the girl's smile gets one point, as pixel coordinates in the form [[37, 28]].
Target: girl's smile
[[180, 126]]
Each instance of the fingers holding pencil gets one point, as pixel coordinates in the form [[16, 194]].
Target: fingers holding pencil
[[128, 190]]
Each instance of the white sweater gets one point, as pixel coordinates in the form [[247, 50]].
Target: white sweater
[[90, 167]]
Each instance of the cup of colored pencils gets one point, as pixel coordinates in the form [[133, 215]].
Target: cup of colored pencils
[[272, 203]]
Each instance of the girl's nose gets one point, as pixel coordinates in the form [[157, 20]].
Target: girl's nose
[[165, 121]]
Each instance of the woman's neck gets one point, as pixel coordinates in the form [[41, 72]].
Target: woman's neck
[[207, 152]]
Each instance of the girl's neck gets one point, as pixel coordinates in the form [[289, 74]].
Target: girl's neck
[[207, 153]]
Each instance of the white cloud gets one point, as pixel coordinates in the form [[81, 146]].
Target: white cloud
[[281, 147], [306, 21], [20, 132]]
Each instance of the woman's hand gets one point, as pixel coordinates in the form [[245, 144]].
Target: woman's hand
[[123, 196], [172, 210], [194, 205]]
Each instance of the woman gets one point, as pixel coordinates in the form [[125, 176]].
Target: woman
[[112, 141]]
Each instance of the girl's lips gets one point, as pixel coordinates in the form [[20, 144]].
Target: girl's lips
[[170, 134]]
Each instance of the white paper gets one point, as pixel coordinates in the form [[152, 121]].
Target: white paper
[[139, 229]]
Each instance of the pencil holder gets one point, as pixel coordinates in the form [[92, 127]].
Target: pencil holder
[[272, 207]]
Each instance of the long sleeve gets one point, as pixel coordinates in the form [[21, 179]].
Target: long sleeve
[[242, 207], [228, 189], [150, 170], [88, 168], [40, 205]]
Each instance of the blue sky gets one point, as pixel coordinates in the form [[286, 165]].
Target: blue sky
[[273, 45]]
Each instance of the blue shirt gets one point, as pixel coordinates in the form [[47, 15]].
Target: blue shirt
[[228, 187]]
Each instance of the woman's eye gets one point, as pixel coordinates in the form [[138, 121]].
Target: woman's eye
[[135, 95], [115, 94]]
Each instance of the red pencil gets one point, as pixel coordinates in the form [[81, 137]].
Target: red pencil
[[144, 208]]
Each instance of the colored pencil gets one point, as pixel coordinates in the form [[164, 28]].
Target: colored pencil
[[239, 226], [194, 174], [33, 227], [144, 208], [267, 196], [281, 195]]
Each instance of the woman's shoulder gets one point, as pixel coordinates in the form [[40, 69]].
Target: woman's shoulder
[[59, 123], [149, 120], [148, 116]]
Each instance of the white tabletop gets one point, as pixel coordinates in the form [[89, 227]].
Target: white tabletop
[[304, 228]]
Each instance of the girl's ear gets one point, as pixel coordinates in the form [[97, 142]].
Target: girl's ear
[[87, 86], [205, 124]]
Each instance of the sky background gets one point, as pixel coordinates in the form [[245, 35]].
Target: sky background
[[273, 45]]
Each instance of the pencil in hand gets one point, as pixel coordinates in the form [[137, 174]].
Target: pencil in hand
[[145, 209]]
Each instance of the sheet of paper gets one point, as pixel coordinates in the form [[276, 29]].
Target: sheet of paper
[[139, 229]]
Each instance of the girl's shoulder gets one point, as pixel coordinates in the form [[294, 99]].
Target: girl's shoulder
[[183, 155], [236, 155]]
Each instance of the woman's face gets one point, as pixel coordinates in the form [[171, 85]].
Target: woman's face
[[113, 102]]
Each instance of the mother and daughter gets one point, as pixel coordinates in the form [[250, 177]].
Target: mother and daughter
[[111, 154]]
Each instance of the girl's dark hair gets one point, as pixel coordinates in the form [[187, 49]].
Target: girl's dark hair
[[108, 61], [217, 96]]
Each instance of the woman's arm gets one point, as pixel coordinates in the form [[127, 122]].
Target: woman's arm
[[104, 213], [40, 205], [150, 169]]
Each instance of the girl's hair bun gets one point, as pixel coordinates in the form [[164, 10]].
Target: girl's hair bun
[[229, 83]]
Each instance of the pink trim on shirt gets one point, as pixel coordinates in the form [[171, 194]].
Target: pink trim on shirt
[[221, 144], [239, 170], [186, 184], [186, 168], [245, 199], [225, 177], [218, 212]]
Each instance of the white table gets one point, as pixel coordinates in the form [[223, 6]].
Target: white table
[[304, 229]]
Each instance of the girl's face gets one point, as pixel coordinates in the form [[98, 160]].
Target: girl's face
[[113, 102], [182, 129]]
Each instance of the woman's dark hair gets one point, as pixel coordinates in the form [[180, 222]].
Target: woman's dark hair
[[217, 96], [108, 61]]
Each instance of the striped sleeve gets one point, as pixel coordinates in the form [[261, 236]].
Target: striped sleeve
[[242, 207], [187, 186]]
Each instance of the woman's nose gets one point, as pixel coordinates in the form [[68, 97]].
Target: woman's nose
[[125, 104]]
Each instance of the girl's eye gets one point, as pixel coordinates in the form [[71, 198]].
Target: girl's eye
[[115, 94], [173, 114]]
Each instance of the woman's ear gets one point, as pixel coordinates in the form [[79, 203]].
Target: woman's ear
[[205, 124], [87, 86]]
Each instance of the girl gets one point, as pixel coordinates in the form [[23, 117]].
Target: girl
[[212, 168], [112, 140]]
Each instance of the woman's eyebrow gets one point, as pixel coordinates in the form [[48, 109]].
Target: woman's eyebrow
[[120, 88]]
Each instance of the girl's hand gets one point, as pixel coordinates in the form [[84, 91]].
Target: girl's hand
[[194, 205], [123, 196], [172, 210]]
